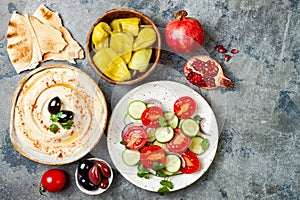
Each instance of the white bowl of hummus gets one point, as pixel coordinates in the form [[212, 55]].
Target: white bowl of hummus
[[31, 121]]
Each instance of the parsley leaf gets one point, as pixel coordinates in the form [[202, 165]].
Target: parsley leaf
[[145, 175], [157, 166], [198, 118], [55, 117], [53, 128], [67, 125], [162, 121], [163, 190], [205, 144], [167, 184]]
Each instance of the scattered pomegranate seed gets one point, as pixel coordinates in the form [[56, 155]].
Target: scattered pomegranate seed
[[219, 47], [234, 51], [223, 50], [227, 57]]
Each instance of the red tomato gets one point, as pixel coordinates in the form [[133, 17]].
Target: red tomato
[[184, 107], [150, 116], [179, 143], [135, 137], [191, 162], [152, 154], [53, 180]]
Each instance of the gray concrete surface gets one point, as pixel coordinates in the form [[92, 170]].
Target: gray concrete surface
[[258, 155]]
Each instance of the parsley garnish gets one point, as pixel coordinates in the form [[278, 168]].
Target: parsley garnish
[[166, 185], [198, 118], [53, 128], [143, 172], [67, 125], [162, 121], [55, 117]]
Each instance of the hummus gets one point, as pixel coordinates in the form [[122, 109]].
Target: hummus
[[30, 121]]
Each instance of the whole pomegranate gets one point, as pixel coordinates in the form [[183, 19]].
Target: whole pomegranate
[[184, 34], [205, 72]]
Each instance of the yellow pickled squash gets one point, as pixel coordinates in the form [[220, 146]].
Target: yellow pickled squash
[[122, 43], [140, 59], [100, 35], [101, 45], [130, 25], [111, 64], [145, 38]]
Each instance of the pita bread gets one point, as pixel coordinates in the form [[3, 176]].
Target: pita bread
[[49, 38], [72, 50], [38, 38], [22, 46]]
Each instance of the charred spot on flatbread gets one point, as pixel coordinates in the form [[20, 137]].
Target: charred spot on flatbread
[[19, 43], [46, 14]]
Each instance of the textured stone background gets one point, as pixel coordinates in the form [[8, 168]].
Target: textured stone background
[[258, 155]]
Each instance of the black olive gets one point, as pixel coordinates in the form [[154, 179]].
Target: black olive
[[86, 184], [65, 116], [54, 105], [84, 167]]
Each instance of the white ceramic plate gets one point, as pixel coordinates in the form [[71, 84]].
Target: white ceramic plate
[[30, 118], [167, 93]]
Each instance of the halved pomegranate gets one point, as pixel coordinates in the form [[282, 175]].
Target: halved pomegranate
[[205, 72]]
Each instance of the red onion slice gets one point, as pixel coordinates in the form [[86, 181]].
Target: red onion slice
[[155, 101], [131, 124], [201, 123]]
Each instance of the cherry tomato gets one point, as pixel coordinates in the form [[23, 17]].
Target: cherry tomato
[[191, 163], [135, 137], [152, 154], [150, 116], [184, 107], [53, 180], [179, 143]]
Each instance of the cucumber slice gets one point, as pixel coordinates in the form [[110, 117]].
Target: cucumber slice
[[162, 145], [136, 108], [164, 134], [128, 119], [173, 163], [171, 118], [166, 172], [150, 135], [130, 157], [189, 127], [199, 145]]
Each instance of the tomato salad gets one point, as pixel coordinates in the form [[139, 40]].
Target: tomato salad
[[163, 143]]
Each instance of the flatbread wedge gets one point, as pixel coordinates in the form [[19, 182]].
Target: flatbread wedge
[[72, 50], [22, 45], [49, 38]]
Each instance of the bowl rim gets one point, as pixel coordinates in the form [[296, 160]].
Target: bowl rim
[[157, 48], [99, 190]]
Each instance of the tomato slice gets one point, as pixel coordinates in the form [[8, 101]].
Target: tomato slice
[[150, 116], [191, 163], [135, 137], [152, 154], [184, 107], [179, 143]]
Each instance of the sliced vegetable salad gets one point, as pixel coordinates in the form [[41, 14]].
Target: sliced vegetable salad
[[163, 142]]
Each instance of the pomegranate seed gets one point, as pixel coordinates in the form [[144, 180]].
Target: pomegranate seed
[[219, 47], [234, 51], [227, 57], [222, 50]]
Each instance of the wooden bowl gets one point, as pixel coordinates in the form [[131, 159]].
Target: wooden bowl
[[144, 20]]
